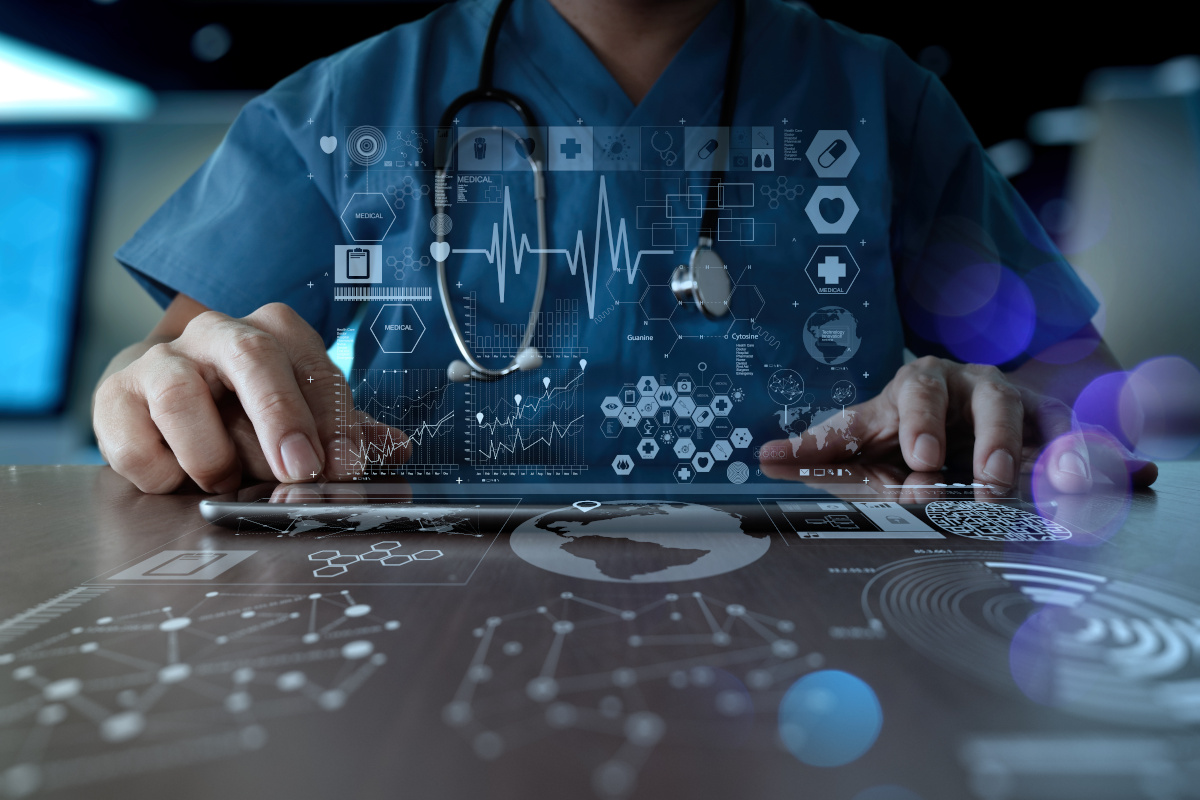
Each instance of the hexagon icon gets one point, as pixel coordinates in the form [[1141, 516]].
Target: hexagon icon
[[647, 427], [684, 384], [703, 395], [721, 405], [611, 427], [832, 269], [647, 448], [368, 216], [426, 555], [721, 450], [703, 416], [629, 417], [684, 473], [741, 437], [397, 328], [721, 428], [684, 406], [343, 561], [841, 207], [684, 447], [611, 406], [666, 396], [647, 406], [702, 461], [324, 555], [647, 385], [684, 427], [396, 560], [832, 154], [329, 572], [720, 383], [623, 464]]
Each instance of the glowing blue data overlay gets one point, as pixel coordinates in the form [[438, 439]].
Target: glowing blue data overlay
[[44, 207]]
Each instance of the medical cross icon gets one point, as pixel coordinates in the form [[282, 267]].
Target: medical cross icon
[[570, 148], [831, 270]]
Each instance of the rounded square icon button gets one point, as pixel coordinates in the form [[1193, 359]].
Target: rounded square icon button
[[832, 154]]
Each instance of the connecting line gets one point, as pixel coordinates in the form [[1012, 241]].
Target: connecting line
[[618, 249], [712, 621], [466, 689], [551, 662], [600, 606]]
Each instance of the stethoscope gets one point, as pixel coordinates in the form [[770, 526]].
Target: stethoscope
[[703, 282]]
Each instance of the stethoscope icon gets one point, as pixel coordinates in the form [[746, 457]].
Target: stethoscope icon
[[666, 153]]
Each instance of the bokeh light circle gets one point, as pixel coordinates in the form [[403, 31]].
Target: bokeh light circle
[[829, 718], [1164, 394], [998, 331], [1100, 513]]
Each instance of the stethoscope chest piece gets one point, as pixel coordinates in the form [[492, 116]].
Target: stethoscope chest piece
[[704, 281]]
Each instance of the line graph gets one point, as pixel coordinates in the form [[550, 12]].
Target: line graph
[[418, 402], [504, 241], [529, 423], [556, 335]]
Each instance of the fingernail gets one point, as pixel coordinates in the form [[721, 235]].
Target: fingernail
[[1070, 463], [300, 461], [1000, 468], [926, 450]]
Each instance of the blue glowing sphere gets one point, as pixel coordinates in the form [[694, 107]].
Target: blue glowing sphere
[[829, 718]]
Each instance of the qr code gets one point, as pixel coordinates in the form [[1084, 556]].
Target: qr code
[[993, 522]]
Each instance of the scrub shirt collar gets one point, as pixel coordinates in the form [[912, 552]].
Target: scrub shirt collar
[[538, 47]]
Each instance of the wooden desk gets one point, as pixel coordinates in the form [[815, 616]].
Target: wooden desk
[[448, 665]]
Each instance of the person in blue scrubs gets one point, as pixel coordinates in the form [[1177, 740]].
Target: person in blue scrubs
[[858, 216]]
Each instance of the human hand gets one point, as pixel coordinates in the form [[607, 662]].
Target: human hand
[[935, 408], [256, 396]]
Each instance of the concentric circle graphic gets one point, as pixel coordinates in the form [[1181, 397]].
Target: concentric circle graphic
[[1081, 638], [441, 224], [366, 145]]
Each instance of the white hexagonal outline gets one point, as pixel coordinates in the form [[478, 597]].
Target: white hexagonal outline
[[384, 307], [634, 418], [647, 406], [605, 432], [721, 449], [683, 465], [708, 456], [840, 168], [617, 458], [703, 420], [691, 446], [840, 289], [813, 209], [642, 391], [685, 402], [642, 443], [386, 205], [604, 406], [737, 433], [728, 405], [668, 388]]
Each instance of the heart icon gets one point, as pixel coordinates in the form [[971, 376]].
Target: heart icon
[[702, 462], [524, 147], [439, 251], [832, 209], [329, 143]]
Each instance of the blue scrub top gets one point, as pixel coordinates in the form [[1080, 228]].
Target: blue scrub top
[[858, 215]]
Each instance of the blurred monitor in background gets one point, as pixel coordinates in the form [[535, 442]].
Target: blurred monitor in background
[[46, 180]]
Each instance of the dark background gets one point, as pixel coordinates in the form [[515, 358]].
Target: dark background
[[1002, 61]]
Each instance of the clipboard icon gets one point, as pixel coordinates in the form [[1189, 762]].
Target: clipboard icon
[[358, 263]]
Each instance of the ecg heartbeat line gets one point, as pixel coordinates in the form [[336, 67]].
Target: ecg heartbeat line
[[618, 249], [496, 447], [374, 454]]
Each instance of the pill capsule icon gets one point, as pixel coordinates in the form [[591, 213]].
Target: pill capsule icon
[[832, 153], [709, 148]]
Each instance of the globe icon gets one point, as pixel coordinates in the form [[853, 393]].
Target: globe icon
[[638, 542], [831, 335], [785, 386]]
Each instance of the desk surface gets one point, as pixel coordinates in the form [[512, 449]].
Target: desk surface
[[144, 653]]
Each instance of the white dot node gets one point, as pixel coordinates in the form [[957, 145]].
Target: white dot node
[[122, 726], [611, 706], [644, 728], [703, 676], [174, 624], [358, 649], [512, 648], [624, 677], [732, 703], [561, 715], [243, 675], [174, 673], [222, 640], [24, 673], [457, 714], [359, 610], [104, 621], [542, 689], [493, 621], [678, 679], [634, 641], [391, 625], [21, 779], [294, 615], [315, 596], [628, 616], [237, 702], [488, 745], [614, 779], [759, 679], [567, 595], [697, 595], [211, 594], [676, 616], [785, 626], [815, 660], [563, 626], [248, 613], [76, 631], [735, 610], [310, 638], [721, 638], [290, 681], [332, 700], [477, 633], [51, 714], [7, 658], [253, 737], [379, 659], [541, 609], [479, 673], [671, 598], [784, 648], [89, 647]]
